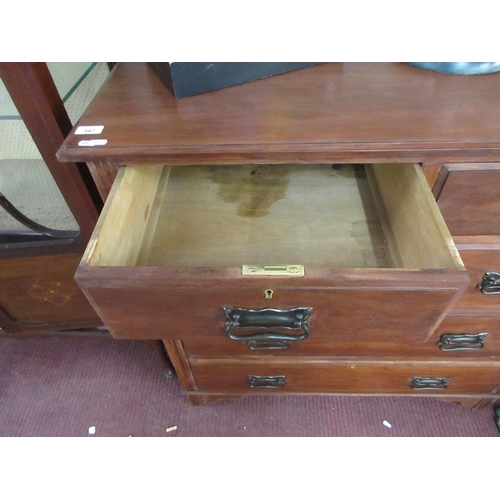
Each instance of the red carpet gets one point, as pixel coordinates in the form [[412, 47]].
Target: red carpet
[[63, 387]]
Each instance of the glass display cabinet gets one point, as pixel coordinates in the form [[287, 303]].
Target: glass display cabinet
[[47, 211]]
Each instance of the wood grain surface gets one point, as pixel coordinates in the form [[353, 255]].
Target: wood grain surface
[[477, 263], [469, 199], [344, 342], [343, 112], [348, 376]]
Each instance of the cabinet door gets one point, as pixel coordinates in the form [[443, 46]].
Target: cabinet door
[[48, 209]]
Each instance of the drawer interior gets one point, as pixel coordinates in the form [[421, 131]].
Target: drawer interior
[[337, 216]]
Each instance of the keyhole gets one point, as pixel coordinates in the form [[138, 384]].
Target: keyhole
[[268, 294]]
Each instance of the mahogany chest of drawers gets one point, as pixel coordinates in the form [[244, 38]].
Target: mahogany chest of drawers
[[329, 231]]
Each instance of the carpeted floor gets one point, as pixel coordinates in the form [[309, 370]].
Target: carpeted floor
[[64, 387]]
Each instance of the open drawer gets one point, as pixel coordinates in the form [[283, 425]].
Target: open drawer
[[272, 254]]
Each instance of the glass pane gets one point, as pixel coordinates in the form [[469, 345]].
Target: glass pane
[[69, 76], [25, 180], [78, 83]]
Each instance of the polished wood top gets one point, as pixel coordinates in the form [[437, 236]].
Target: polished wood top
[[344, 112]]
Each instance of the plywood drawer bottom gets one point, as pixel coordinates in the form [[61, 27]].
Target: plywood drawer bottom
[[347, 376]]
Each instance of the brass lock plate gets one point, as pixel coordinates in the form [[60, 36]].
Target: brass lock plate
[[296, 270]]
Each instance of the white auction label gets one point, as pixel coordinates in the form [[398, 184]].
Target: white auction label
[[93, 142], [89, 129]]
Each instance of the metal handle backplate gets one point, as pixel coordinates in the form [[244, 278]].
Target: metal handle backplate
[[266, 382], [265, 321], [429, 383], [462, 341]]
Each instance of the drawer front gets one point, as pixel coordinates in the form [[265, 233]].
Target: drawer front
[[345, 377], [478, 263], [469, 199], [468, 336], [462, 336], [343, 314]]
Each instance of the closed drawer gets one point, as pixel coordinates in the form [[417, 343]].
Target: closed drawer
[[483, 293], [462, 336], [469, 199], [469, 336], [349, 377], [167, 257]]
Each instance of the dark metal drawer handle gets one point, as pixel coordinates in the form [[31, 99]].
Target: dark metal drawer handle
[[266, 382], [426, 383], [266, 319], [462, 341], [490, 283]]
